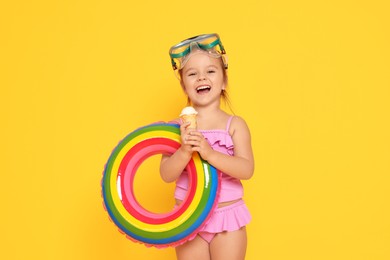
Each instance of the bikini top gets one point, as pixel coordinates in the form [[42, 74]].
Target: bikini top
[[221, 141]]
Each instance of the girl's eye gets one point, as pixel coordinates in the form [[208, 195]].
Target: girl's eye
[[211, 71], [192, 74]]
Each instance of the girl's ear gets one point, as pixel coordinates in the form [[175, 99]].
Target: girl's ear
[[224, 85]]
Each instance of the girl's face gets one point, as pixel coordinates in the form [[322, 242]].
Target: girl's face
[[203, 79]]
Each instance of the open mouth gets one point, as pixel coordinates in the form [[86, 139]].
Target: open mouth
[[203, 89]]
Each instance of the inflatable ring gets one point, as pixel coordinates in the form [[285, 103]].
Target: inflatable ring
[[140, 225]]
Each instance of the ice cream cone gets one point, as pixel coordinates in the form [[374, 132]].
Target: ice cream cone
[[188, 114]]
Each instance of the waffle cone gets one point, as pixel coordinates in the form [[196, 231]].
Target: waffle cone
[[191, 119]]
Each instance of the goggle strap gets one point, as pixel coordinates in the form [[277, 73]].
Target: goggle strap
[[181, 54], [173, 64], [210, 45], [202, 46]]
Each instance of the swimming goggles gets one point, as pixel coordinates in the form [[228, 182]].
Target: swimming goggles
[[210, 43]]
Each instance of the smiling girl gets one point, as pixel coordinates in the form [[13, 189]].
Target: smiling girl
[[223, 140]]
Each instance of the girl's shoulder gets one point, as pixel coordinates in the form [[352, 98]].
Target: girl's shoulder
[[238, 124]]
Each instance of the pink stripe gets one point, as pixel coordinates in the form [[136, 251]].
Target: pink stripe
[[127, 170]]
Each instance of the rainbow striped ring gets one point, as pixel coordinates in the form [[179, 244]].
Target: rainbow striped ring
[[138, 224]]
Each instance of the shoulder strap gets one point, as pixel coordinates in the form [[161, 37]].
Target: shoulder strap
[[228, 123]]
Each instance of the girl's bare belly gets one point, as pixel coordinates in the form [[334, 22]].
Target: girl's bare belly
[[220, 205]]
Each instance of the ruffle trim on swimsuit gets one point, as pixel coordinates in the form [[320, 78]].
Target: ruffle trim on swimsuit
[[229, 218], [219, 138]]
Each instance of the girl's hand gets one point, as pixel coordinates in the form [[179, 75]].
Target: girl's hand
[[198, 143], [184, 133]]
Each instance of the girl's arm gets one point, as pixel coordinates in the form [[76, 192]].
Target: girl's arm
[[172, 166], [241, 165]]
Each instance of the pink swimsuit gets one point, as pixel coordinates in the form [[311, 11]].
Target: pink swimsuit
[[231, 217]]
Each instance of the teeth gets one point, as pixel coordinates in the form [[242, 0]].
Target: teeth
[[203, 87]]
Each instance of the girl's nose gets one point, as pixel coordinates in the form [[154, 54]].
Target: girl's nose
[[201, 77]]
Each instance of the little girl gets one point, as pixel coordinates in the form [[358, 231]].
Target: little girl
[[221, 139]]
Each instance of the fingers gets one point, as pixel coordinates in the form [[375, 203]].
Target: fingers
[[193, 138], [194, 141], [193, 135], [184, 130], [184, 126]]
